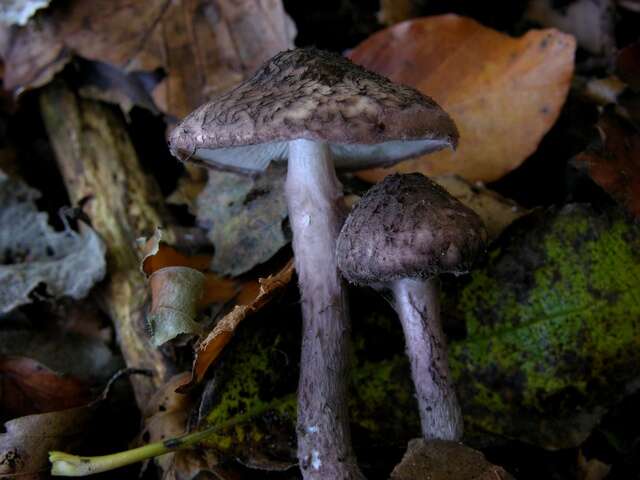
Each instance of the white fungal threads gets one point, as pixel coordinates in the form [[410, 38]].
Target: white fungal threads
[[316, 463], [313, 429]]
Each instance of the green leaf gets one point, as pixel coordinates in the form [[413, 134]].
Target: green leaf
[[553, 324], [553, 338]]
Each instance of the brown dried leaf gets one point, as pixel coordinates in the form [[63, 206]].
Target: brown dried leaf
[[504, 93], [628, 65], [204, 46], [25, 445], [28, 387], [496, 211], [614, 164], [444, 460], [211, 347], [175, 295], [592, 469]]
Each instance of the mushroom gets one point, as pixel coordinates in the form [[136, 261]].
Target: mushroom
[[320, 111], [403, 233]]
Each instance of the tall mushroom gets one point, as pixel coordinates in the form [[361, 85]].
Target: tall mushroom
[[319, 111], [403, 233]]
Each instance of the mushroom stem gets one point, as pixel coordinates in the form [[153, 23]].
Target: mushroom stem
[[417, 304], [316, 212]]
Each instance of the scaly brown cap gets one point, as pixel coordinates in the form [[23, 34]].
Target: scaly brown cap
[[315, 95], [408, 226]]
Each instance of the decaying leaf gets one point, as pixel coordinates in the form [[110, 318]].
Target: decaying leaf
[[175, 295], [443, 460], [592, 469], [67, 263], [212, 345], [204, 46], [244, 217], [614, 163], [590, 21], [496, 211], [503, 93], [628, 65], [25, 445], [553, 325], [180, 288], [28, 387], [66, 353], [18, 12]]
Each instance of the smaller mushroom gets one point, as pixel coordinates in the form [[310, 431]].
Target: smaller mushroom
[[401, 235]]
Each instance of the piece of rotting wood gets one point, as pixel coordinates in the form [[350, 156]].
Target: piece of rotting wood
[[103, 175]]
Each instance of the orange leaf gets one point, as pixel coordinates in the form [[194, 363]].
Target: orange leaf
[[504, 93], [210, 349]]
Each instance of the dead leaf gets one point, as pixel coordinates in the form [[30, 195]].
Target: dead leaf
[[396, 11], [614, 163], [445, 460], [503, 93], [590, 21], [628, 65], [25, 445], [18, 12], [156, 254], [67, 263], [88, 359], [496, 211], [592, 469], [28, 387], [175, 295], [244, 217], [204, 46], [211, 347]]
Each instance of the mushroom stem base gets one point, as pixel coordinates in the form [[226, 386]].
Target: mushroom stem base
[[417, 305], [316, 211]]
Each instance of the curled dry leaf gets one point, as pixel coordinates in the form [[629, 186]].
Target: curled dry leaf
[[67, 263], [504, 93], [28, 387], [444, 460], [211, 347], [180, 287], [496, 211], [203, 46], [592, 469], [614, 163], [590, 21], [175, 295]]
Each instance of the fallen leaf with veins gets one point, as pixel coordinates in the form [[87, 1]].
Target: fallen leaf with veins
[[445, 460], [203, 46], [28, 387], [67, 263], [614, 163], [503, 93], [211, 347]]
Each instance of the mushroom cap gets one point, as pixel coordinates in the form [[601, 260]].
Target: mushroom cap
[[408, 227], [310, 94]]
